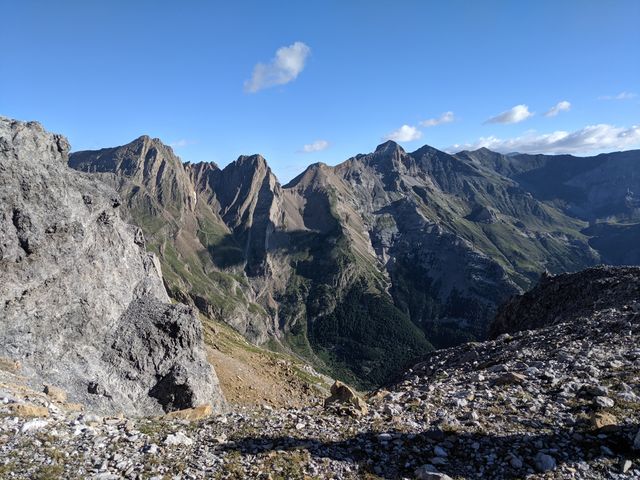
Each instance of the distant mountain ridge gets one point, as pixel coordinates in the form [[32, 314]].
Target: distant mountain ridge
[[360, 267]]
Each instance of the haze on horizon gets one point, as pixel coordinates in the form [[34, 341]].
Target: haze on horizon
[[306, 83]]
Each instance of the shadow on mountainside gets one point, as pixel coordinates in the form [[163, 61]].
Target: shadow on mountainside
[[392, 454]]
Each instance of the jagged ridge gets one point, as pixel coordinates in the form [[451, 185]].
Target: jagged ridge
[[439, 239]]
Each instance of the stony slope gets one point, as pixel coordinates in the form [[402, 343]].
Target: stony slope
[[253, 376], [568, 297], [82, 304], [558, 402]]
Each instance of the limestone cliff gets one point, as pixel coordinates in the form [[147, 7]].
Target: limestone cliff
[[82, 303]]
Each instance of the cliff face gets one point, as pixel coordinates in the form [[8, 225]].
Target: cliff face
[[82, 304]]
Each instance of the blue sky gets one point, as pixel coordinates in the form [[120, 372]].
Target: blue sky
[[454, 74]]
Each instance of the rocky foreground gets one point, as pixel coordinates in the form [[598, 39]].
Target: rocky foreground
[[559, 402]]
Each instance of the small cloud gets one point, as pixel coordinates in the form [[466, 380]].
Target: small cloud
[[283, 68], [591, 138], [181, 143], [405, 133], [562, 106], [446, 117], [620, 96], [316, 146], [517, 114]]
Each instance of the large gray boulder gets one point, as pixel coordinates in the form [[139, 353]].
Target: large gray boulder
[[82, 304]]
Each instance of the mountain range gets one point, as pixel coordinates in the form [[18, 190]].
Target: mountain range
[[361, 267]]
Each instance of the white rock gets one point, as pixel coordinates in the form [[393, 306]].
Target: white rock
[[151, 449], [33, 425], [178, 438], [604, 402], [429, 472]]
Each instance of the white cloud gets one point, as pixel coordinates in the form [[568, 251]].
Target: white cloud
[[515, 115], [409, 133], [562, 106], [406, 133], [316, 146], [283, 68], [446, 117], [588, 139], [620, 96]]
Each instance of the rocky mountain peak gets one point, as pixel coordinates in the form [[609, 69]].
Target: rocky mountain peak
[[131, 159], [314, 175], [146, 162], [389, 147], [154, 149], [255, 161], [142, 139], [201, 173], [202, 165], [484, 150], [147, 142], [387, 158]]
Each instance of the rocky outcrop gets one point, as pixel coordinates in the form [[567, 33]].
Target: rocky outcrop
[[344, 400], [82, 304], [569, 297]]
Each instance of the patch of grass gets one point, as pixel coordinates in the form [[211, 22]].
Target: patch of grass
[[49, 472], [8, 469]]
